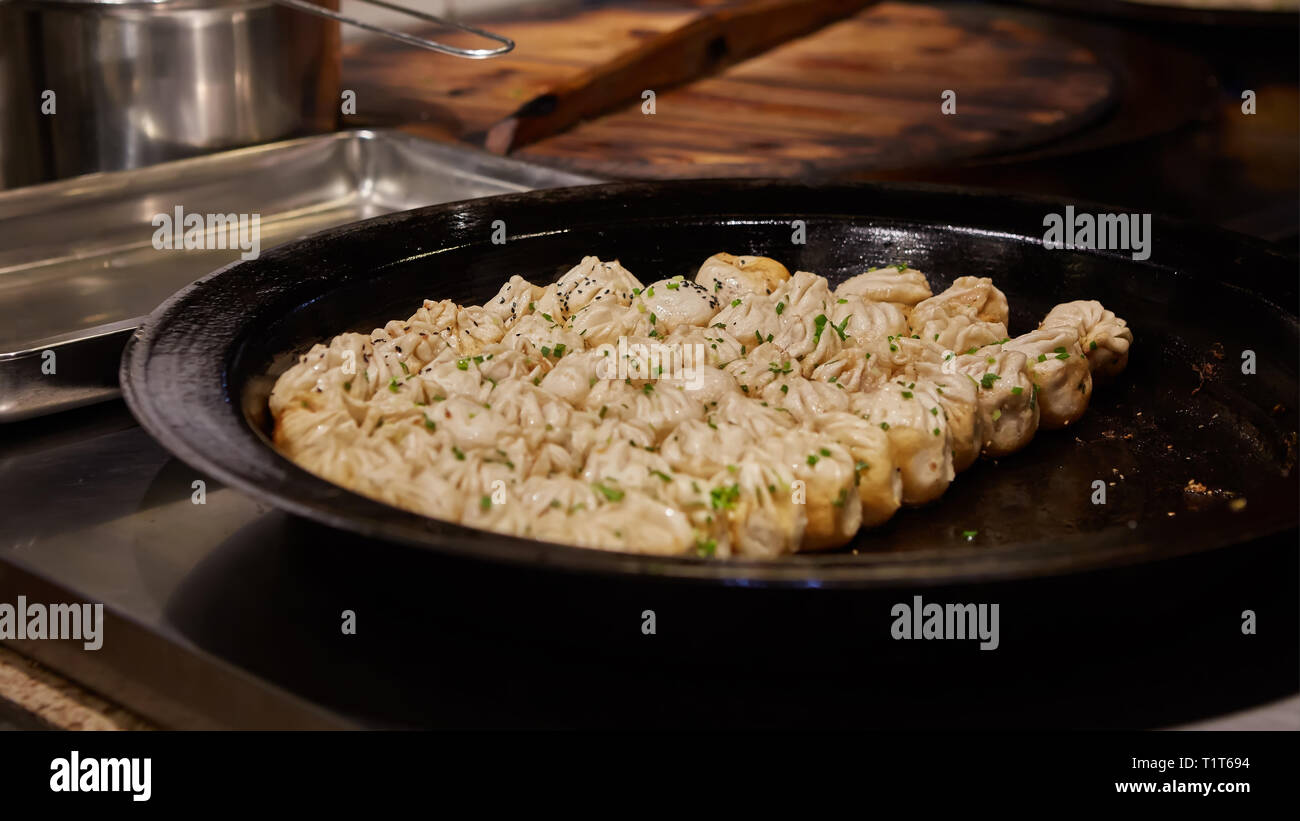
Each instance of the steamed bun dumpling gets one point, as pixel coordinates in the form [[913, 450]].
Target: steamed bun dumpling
[[747, 413]]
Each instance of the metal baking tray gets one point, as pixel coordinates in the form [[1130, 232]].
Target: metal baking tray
[[78, 267]]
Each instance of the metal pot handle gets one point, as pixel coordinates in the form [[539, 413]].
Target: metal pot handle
[[473, 53]]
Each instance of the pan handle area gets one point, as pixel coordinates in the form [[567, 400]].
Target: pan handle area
[[433, 45]]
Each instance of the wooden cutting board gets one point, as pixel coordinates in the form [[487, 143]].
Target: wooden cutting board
[[862, 94]]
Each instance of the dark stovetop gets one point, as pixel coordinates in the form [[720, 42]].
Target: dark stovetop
[[228, 614]]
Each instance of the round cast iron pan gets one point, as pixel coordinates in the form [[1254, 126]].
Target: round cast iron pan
[[198, 373]]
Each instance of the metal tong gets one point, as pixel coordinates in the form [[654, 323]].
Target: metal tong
[[433, 45]]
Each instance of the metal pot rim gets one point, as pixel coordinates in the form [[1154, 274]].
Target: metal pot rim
[[309, 7], [187, 4]]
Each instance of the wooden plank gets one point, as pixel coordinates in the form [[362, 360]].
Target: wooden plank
[[862, 94]]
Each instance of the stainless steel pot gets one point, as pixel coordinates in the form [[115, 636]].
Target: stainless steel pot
[[136, 82]]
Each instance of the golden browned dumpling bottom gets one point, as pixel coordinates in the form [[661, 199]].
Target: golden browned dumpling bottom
[[748, 412]]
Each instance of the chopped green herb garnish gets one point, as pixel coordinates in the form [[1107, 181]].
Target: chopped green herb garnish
[[819, 323], [610, 493], [839, 329], [724, 498]]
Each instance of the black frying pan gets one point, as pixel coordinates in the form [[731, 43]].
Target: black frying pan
[[198, 373]]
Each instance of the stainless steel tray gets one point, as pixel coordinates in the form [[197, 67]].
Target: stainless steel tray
[[78, 269]]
